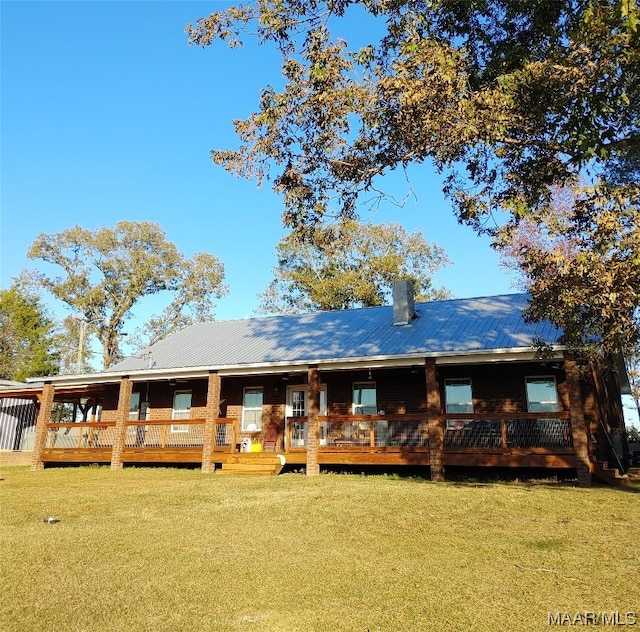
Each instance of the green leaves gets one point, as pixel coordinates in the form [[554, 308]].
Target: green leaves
[[27, 342], [107, 272], [582, 264], [350, 264], [518, 86], [509, 99]]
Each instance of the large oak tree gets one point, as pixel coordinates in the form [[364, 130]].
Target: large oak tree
[[351, 264], [507, 98], [106, 272]]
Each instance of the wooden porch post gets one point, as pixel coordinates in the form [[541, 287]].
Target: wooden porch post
[[44, 417], [124, 401], [436, 432], [211, 414], [313, 468], [578, 425]]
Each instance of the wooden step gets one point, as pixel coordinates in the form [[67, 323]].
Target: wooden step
[[254, 458], [256, 467], [242, 472], [253, 464], [248, 471], [609, 475]]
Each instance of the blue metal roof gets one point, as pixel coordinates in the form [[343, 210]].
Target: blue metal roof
[[442, 328]]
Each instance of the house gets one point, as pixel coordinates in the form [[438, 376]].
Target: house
[[439, 384]]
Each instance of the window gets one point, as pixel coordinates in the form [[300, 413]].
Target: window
[[252, 409], [181, 410], [364, 398], [134, 406], [458, 396], [138, 410], [298, 403], [542, 395]]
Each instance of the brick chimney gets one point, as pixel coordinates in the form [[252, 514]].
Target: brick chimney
[[403, 304]]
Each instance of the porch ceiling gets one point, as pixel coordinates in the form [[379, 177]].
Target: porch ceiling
[[61, 391]]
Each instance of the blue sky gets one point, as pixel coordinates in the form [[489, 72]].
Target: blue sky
[[107, 114]]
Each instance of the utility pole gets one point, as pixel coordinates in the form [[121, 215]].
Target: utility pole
[[80, 347]]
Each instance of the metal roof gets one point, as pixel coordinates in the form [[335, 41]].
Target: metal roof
[[442, 328]]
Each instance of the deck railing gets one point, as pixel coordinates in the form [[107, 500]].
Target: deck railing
[[529, 431], [182, 433], [537, 433], [360, 431], [541, 431], [80, 435], [224, 435]]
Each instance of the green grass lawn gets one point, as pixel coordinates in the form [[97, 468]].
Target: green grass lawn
[[175, 550]]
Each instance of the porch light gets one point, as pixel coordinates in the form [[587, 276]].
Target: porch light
[[172, 382], [285, 377]]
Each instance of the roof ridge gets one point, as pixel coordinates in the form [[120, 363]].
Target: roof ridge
[[356, 309], [449, 326]]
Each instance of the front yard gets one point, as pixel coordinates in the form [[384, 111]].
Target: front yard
[[175, 550]]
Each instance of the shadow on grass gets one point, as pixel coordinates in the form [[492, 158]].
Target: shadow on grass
[[471, 476], [456, 475]]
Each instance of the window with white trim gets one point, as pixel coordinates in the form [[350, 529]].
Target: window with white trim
[[181, 410], [364, 398], [542, 394], [252, 409], [298, 402], [458, 396]]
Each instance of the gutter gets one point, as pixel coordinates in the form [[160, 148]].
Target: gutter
[[337, 364]]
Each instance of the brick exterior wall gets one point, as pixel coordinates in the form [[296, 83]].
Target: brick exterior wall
[[578, 423], [313, 468], [599, 386], [497, 388], [110, 403], [274, 403], [398, 391], [44, 415], [9, 458], [436, 431], [500, 388], [211, 414], [121, 418]]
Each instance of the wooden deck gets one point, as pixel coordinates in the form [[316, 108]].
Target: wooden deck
[[397, 440]]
